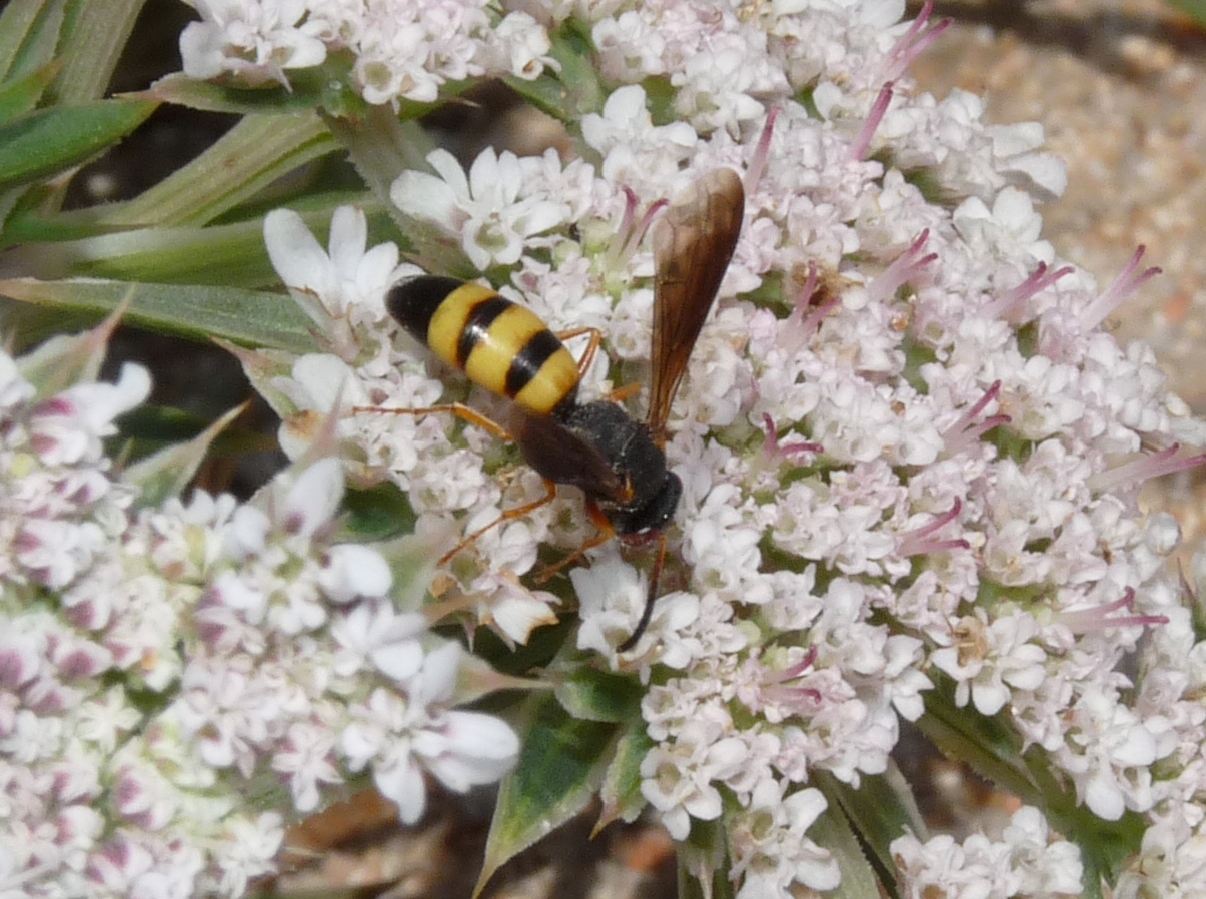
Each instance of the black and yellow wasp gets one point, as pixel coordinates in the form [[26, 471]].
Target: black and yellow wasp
[[615, 460]]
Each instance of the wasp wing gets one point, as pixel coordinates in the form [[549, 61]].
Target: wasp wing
[[561, 456], [692, 245]]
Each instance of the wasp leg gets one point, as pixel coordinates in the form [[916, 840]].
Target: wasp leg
[[550, 493], [460, 410], [650, 598], [624, 392], [592, 346], [605, 532]]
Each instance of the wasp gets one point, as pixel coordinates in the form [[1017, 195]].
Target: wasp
[[617, 461]]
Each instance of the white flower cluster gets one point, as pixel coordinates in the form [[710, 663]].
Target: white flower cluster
[[910, 455], [1027, 861], [397, 49], [158, 665]]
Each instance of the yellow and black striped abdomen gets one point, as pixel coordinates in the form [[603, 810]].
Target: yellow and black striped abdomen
[[500, 345]]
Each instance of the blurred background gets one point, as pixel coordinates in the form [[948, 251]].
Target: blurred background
[[1120, 87]]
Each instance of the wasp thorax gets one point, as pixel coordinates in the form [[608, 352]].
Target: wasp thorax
[[630, 451]]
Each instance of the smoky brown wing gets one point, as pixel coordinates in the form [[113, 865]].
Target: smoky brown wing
[[692, 245], [558, 454]]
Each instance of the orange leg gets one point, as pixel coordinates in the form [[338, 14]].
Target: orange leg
[[592, 346], [460, 410], [624, 392], [550, 492], [605, 532]]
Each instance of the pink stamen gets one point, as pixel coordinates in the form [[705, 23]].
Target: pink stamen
[[862, 143], [914, 42], [970, 427], [1095, 618], [905, 268], [646, 221], [919, 541], [773, 450], [774, 683], [797, 669], [754, 173], [805, 320], [806, 292], [1010, 305], [623, 234], [1132, 474], [56, 405], [631, 231], [1124, 285]]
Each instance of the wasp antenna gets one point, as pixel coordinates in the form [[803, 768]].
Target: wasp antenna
[[650, 598]]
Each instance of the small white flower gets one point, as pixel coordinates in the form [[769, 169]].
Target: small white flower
[[485, 210]]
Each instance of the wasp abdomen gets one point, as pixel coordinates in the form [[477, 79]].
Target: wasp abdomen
[[500, 345]]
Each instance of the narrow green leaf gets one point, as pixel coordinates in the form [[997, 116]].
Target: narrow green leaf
[[29, 33], [834, 831], [166, 473], [96, 32], [327, 87], [46, 141], [149, 428], [877, 814], [246, 317], [19, 96], [228, 255], [68, 358], [986, 744], [254, 153], [595, 695], [1104, 845], [560, 765], [621, 789]]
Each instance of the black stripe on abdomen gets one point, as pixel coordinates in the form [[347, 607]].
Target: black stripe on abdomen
[[414, 301], [477, 324], [527, 362]]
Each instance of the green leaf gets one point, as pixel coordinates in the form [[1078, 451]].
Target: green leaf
[[1195, 9], [572, 92], [621, 789], [228, 255], [880, 810], [246, 317], [29, 33], [246, 159], [376, 514], [1104, 845], [381, 147], [988, 745], [166, 473], [20, 95], [595, 695], [833, 830], [65, 359], [96, 32], [327, 87], [703, 862], [149, 428], [560, 765], [47, 141]]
